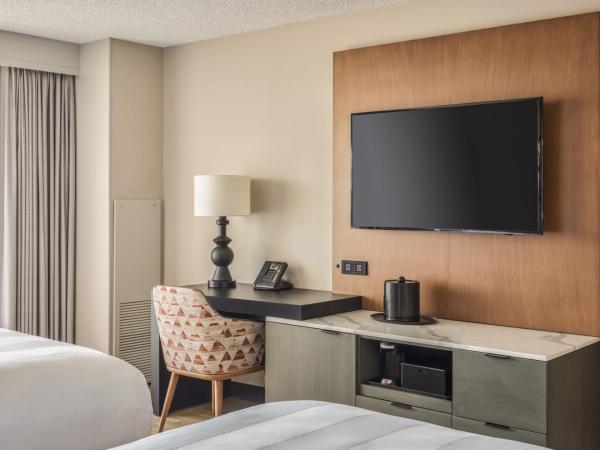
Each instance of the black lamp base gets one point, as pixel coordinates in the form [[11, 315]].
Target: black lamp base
[[221, 283], [221, 257]]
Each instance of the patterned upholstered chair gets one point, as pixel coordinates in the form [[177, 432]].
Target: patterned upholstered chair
[[197, 342]]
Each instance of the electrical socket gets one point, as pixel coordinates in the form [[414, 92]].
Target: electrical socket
[[354, 267]]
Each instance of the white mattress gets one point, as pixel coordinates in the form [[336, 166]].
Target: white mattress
[[60, 396], [318, 425]]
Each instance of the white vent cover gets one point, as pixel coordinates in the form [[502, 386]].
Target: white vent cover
[[137, 262]]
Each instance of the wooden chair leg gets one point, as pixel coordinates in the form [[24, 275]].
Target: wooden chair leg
[[218, 397], [213, 395], [168, 400]]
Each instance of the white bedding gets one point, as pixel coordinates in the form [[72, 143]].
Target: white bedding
[[315, 426], [60, 396]]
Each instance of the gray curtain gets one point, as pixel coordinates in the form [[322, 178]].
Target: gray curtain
[[37, 202]]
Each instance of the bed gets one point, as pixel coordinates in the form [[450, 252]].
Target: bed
[[318, 425], [61, 396]]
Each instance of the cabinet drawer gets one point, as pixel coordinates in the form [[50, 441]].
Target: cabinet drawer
[[475, 426], [421, 401], [404, 410], [502, 390]]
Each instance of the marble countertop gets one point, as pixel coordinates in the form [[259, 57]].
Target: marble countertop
[[517, 342]]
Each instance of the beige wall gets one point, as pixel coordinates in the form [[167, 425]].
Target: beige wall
[[136, 121], [135, 131], [260, 104], [30, 52], [119, 156], [92, 289]]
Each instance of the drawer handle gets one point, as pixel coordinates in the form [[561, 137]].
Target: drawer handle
[[401, 405], [494, 355], [330, 332], [497, 425]]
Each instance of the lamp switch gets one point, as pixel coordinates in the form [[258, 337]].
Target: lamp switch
[[354, 267]]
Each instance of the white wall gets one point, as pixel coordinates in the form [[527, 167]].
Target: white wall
[[30, 52], [260, 104], [92, 286]]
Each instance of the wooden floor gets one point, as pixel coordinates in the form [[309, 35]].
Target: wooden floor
[[199, 413]]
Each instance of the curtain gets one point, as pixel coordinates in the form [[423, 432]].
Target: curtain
[[37, 202]]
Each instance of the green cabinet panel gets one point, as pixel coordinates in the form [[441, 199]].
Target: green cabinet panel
[[503, 390], [309, 364]]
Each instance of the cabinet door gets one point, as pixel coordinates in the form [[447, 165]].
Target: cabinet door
[[309, 364], [505, 391]]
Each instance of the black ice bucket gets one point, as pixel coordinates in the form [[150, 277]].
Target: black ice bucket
[[401, 300]]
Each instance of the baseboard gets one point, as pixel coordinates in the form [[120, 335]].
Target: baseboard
[[248, 392]]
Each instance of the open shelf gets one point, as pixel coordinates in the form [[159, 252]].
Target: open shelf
[[413, 369]]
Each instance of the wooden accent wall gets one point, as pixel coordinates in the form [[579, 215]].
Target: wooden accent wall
[[548, 282]]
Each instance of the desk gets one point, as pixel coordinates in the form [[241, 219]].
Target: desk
[[296, 304], [244, 301]]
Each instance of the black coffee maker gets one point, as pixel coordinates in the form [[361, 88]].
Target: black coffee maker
[[392, 366], [401, 300]]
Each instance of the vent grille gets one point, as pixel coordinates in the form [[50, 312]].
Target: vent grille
[[135, 335]]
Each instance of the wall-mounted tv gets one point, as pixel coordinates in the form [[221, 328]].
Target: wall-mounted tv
[[471, 167]]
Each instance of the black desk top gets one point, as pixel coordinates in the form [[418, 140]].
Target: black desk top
[[298, 304]]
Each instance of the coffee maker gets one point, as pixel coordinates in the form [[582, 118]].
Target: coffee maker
[[392, 366]]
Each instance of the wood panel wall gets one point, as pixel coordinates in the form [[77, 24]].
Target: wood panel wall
[[548, 282]]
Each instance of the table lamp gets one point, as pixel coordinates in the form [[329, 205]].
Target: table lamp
[[221, 196]]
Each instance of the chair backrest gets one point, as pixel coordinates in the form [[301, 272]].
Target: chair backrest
[[196, 339]]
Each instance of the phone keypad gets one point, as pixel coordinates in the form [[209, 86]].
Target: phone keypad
[[270, 275]]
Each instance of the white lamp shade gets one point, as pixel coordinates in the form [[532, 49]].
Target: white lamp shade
[[221, 195]]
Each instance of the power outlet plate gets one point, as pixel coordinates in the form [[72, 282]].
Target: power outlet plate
[[354, 267]]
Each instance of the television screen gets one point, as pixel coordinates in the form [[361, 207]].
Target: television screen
[[471, 167]]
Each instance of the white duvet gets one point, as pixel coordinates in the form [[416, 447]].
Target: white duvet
[[60, 396], [310, 425]]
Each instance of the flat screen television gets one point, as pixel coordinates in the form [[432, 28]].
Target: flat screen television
[[471, 167]]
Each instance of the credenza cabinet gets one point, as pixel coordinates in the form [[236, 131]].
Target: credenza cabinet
[[553, 403]]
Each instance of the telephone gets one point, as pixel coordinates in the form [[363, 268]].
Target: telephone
[[269, 277]]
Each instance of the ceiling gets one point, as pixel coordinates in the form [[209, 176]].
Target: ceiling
[[163, 22]]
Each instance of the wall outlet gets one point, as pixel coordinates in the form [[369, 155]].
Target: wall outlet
[[354, 267]]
